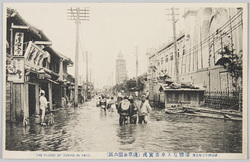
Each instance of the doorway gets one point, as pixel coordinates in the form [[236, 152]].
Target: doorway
[[32, 100]]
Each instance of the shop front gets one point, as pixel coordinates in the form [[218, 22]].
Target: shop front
[[27, 80]]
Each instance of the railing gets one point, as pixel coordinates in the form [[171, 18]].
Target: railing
[[223, 100]]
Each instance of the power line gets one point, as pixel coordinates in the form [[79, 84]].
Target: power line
[[214, 36], [219, 30]]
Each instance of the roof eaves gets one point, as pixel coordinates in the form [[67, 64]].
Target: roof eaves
[[33, 29]]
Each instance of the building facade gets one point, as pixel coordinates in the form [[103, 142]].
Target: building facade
[[32, 65], [121, 70], [207, 31]]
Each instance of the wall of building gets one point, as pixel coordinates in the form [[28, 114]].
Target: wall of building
[[212, 79], [206, 32], [8, 101]]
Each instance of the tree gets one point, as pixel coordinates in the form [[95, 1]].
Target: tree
[[130, 85], [232, 62]]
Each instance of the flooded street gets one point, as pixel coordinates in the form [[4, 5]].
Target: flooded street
[[90, 130]]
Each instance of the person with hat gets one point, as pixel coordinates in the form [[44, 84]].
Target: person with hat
[[133, 110], [43, 105], [123, 111], [144, 110]]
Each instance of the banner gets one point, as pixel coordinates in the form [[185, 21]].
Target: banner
[[34, 56]]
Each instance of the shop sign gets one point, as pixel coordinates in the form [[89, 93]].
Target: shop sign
[[34, 56], [18, 44], [16, 70]]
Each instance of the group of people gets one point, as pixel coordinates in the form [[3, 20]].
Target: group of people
[[106, 103], [131, 109]]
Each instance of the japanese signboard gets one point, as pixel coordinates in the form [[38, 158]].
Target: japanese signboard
[[34, 56], [16, 70], [18, 46]]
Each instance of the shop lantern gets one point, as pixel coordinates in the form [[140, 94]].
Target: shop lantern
[[41, 73]]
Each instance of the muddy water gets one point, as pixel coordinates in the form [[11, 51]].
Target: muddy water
[[91, 130]]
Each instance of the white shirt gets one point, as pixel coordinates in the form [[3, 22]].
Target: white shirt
[[144, 108], [43, 102]]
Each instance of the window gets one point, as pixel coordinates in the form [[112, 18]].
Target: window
[[45, 63], [171, 57], [166, 59], [162, 60]]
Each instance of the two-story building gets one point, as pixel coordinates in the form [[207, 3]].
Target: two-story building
[[31, 66]]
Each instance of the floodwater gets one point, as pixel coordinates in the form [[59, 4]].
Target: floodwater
[[89, 129]]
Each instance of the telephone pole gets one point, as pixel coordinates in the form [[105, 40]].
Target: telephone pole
[[87, 74], [77, 14], [173, 19], [136, 55], [90, 73]]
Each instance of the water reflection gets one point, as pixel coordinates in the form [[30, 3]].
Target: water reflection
[[91, 129], [126, 134]]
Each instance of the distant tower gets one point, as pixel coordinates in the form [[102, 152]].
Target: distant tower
[[121, 71]]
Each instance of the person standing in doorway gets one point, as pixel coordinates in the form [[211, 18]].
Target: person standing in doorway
[[43, 105], [144, 110]]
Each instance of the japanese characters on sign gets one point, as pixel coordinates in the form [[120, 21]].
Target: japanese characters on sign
[[16, 70], [34, 56], [18, 44]]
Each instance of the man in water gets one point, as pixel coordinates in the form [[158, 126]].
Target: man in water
[[132, 110], [144, 110], [103, 103], [123, 110], [111, 104], [43, 105]]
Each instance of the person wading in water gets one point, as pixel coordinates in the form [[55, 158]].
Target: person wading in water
[[123, 110], [133, 110], [144, 110], [43, 105]]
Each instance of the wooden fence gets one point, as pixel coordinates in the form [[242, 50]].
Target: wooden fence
[[223, 100], [8, 101]]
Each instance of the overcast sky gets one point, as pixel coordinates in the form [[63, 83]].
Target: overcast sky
[[112, 28]]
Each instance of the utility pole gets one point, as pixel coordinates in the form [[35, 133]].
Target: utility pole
[[87, 74], [77, 14], [136, 55], [173, 19], [90, 73]]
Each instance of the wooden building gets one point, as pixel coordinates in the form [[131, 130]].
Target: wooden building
[[31, 65], [182, 96]]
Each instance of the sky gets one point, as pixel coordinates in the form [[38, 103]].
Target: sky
[[112, 28]]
